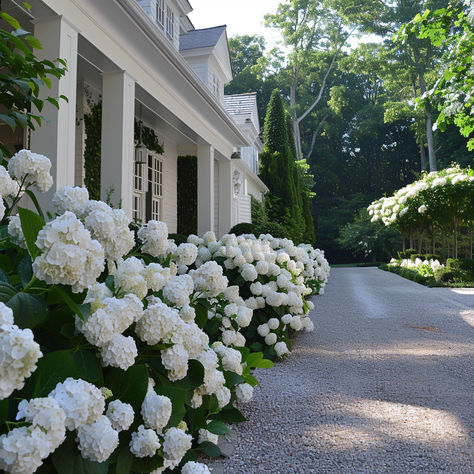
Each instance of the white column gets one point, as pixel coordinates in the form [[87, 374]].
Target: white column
[[225, 196], [118, 113], [205, 178], [56, 137]]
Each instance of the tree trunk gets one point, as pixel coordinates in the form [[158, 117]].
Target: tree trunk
[[411, 238], [455, 249], [422, 156], [420, 239], [433, 241], [404, 246], [429, 127]]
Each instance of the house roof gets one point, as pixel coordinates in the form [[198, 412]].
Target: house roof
[[204, 38], [240, 104]]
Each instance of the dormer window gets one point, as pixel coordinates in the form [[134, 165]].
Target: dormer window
[[216, 85], [160, 13], [169, 22]]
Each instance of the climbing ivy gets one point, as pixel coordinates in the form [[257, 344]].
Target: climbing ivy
[[93, 142], [187, 195], [92, 150]]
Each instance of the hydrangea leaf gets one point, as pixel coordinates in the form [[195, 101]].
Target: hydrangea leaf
[[31, 224], [217, 427], [129, 386], [210, 449]]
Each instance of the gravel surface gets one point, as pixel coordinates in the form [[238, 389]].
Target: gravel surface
[[384, 384]]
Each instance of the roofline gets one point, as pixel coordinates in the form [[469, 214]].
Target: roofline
[[138, 15]]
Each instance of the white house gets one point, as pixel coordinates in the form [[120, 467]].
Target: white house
[[144, 61]]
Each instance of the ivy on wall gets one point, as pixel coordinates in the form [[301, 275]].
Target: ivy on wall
[[93, 142], [187, 195], [92, 150]]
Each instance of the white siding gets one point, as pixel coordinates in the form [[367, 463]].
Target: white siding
[[170, 180], [216, 198], [254, 190], [200, 67]]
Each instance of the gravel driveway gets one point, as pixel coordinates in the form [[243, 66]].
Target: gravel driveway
[[385, 383]]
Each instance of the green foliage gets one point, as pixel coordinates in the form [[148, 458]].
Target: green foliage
[[451, 27], [259, 214], [22, 76], [243, 228], [92, 150], [366, 239], [178, 238], [187, 195], [273, 228], [149, 138]]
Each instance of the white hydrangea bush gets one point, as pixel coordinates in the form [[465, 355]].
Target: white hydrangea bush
[[125, 345]]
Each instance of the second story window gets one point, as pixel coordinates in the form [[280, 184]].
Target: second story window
[[169, 22], [160, 12]]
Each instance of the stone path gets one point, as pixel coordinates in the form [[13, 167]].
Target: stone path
[[385, 383]]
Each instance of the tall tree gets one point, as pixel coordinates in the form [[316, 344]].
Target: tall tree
[[277, 171]]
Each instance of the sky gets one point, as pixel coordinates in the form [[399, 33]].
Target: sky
[[242, 17]]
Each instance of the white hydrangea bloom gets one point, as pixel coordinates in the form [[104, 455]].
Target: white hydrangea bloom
[[228, 337], [156, 276], [175, 360], [82, 402], [286, 318], [120, 414], [69, 255], [36, 168], [19, 354], [22, 450], [114, 317], [281, 348], [96, 295], [244, 392], [154, 236], [46, 415], [192, 467], [97, 440], [110, 227], [231, 294], [144, 442], [70, 198], [178, 289], [223, 395], [295, 323], [156, 410], [263, 329], [270, 339], [176, 444], [248, 272], [159, 323], [119, 352], [205, 435], [187, 313], [8, 187], [194, 339], [187, 253], [209, 279], [130, 277], [16, 232], [232, 360], [273, 323]]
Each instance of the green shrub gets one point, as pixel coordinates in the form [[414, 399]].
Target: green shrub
[[187, 195], [274, 228], [259, 213], [243, 228], [424, 256], [402, 254], [178, 238], [445, 275]]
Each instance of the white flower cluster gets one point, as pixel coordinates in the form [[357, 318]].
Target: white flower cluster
[[110, 227], [154, 236], [104, 327], [68, 254], [23, 449], [72, 405], [16, 232], [8, 186], [414, 200], [19, 353], [73, 199], [31, 168], [426, 268], [279, 274]]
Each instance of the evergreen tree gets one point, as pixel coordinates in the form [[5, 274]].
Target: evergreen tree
[[277, 172]]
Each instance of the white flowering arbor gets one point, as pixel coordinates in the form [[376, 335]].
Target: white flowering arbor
[[439, 200], [121, 351]]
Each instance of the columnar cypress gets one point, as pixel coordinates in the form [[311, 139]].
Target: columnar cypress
[[277, 170]]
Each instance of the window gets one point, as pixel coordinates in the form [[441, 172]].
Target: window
[[155, 187], [160, 12], [169, 22], [216, 85], [138, 193]]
